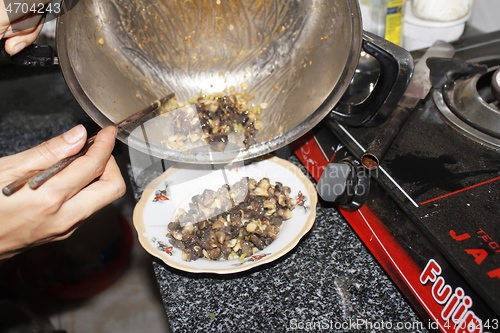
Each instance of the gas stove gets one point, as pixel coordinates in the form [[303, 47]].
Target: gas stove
[[432, 217]]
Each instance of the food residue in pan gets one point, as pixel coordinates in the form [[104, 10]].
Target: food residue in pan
[[233, 222], [212, 117]]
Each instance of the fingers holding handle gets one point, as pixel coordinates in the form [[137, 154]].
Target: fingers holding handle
[[52, 212], [92, 181], [21, 22], [41, 177], [83, 170], [29, 163]]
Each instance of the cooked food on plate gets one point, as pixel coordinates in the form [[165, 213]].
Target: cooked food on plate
[[232, 222]]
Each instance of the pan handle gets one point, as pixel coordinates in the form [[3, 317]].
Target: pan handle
[[396, 70], [34, 55]]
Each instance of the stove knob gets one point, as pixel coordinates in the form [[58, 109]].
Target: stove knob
[[495, 84], [345, 183], [334, 181]]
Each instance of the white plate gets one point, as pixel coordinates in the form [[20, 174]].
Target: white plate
[[182, 182]]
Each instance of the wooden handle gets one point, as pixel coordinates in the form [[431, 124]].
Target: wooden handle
[[142, 114], [18, 184]]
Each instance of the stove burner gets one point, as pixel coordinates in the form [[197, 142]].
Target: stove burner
[[469, 105]]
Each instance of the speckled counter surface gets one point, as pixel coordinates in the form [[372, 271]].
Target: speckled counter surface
[[329, 282], [35, 105]]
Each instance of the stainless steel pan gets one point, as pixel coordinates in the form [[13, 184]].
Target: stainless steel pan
[[297, 56]]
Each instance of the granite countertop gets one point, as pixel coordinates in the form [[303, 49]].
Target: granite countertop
[[328, 282], [36, 105]]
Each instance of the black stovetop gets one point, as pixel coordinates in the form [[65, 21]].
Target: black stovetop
[[446, 182]]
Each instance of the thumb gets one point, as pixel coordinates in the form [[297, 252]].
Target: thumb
[[50, 152], [14, 44]]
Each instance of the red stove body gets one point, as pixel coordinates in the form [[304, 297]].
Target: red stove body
[[432, 218]]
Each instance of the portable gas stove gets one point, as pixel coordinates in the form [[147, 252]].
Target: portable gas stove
[[431, 217]]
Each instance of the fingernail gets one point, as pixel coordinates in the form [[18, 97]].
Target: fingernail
[[75, 134], [19, 47]]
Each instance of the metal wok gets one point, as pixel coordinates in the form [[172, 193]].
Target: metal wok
[[297, 56]]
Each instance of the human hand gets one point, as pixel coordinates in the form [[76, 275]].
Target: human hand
[[18, 27], [53, 211]]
